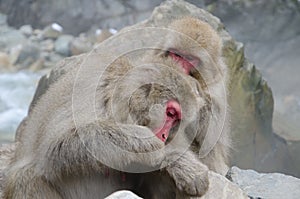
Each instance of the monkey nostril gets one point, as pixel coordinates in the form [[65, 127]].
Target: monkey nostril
[[172, 113], [173, 110]]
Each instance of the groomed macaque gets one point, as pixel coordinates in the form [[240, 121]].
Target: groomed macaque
[[60, 157]]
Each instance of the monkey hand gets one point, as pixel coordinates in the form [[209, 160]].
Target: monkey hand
[[124, 144], [189, 174]]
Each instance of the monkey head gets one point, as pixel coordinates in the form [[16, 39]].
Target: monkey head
[[166, 101]]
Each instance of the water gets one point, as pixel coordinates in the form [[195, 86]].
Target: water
[[16, 92]]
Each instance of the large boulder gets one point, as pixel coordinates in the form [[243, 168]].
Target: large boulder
[[265, 185]]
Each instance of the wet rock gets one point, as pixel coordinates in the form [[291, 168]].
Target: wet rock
[[52, 31], [262, 185], [62, 45], [26, 30]]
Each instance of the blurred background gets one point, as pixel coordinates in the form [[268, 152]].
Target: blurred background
[[36, 34]]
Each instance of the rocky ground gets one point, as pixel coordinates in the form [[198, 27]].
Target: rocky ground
[[32, 49]]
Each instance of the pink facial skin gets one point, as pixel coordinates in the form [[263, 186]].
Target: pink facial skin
[[172, 117], [187, 62]]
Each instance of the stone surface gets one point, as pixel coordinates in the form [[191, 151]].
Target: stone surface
[[102, 35], [261, 185], [123, 195], [222, 188], [5, 64], [77, 16], [10, 37], [52, 31], [219, 188], [28, 54], [270, 32], [62, 45], [47, 45], [26, 30], [79, 46]]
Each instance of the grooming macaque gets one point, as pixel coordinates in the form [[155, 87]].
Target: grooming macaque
[[59, 157], [96, 132]]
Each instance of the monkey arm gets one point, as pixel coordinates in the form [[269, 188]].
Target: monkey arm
[[103, 143]]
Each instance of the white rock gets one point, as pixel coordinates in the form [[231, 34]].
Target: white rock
[[123, 195], [26, 30], [262, 185]]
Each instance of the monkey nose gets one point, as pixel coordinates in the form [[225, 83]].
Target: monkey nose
[[173, 110]]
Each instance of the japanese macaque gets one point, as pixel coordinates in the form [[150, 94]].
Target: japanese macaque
[[59, 156], [153, 125], [206, 65], [196, 49]]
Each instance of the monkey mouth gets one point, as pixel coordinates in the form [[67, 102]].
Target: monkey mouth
[[187, 62], [172, 117]]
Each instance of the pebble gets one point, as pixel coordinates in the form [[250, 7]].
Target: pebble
[[26, 30], [5, 64], [79, 46], [52, 31], [62, 45]]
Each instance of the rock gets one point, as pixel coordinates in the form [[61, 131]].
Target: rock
[[62, 45], [80, 45], [102, 35], [51, 59], [77, 16], [47, 45], [10, 37], [26, 30], [123, 195], [37, 65], [220, 187], [28, 54], [52, 31], [3, 20], [5, 64], [261, 185]]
